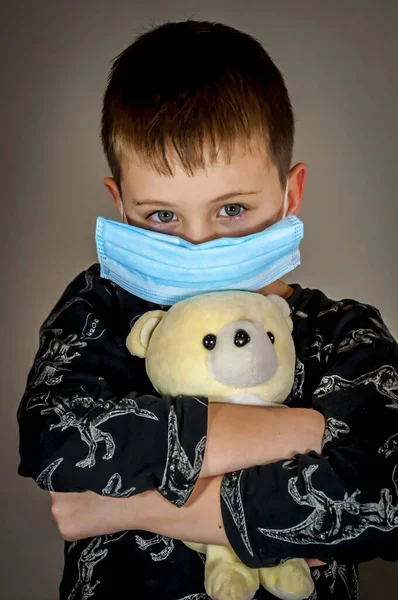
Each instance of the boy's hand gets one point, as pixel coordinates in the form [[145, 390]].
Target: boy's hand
[[87, 514], [84, 515]]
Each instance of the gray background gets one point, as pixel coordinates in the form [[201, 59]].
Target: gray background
[[340, 63]]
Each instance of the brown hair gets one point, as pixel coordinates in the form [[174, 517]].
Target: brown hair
[[184, 86]]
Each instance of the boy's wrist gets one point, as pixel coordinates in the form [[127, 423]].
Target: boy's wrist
[[136, 510], [87, 514], [312, 423], [320, 427], [143, 510]]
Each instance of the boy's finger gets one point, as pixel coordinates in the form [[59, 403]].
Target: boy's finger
[[314, 562]]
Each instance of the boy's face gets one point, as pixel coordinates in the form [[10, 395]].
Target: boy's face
[[228, 199]]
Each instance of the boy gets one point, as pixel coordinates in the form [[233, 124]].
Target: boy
[[198, 131]]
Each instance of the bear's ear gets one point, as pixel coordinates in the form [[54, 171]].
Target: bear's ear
[[139, 337], [283, 306]]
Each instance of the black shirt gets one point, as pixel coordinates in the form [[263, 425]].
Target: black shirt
[[91, 420]]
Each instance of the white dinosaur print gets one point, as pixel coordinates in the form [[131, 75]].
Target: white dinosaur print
[[53, 361], [357, 338], [390, 446], [48, 374], [299, 375], [114, 537], [92, 329], [157, 539], [179, 473], [89, 428], [44, 400], [72, 546], [346, 572], [89, 558], [334, 308], [56, 332], [395, 479], [320, 352], [350, 579], [329, 523], [342, 304], [385, 380], [38, 400], [198, 597], [301, 314], [44, 480], [58, 349], [333, 430], [114, 488], [290, 465], [348, 575], [230, 493], [316, 574]]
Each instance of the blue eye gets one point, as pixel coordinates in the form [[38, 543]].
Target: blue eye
[[231, 210], [163, 216]]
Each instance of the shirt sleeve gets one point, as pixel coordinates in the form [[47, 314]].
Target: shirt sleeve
[[343, 504], [86, 421]]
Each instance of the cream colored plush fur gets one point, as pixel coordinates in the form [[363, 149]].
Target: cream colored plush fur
[[178, 363]]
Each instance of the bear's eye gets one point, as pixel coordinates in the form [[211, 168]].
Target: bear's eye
[[271, 337], [209, 341]]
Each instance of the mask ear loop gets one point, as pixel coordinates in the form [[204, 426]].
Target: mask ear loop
[[285, 200], [122, 213]]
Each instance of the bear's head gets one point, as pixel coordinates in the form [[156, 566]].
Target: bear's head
[[236, 345]]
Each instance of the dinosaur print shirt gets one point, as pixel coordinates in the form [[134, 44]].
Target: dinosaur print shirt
[[89, 419]]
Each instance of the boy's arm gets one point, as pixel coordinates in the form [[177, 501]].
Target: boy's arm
[[83, 428], [340, 505], [343, 504], [251, 434], [87, 515], [89, 418]]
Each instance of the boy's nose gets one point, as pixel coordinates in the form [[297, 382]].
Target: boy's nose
[[198, 234]]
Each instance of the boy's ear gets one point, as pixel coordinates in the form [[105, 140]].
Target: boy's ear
[[139, 337], [114, 193]]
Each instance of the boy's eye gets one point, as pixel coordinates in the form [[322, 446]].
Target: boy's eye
[[163, 216], [231, 210]]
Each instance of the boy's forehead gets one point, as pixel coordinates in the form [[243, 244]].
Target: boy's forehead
[[244, 167]]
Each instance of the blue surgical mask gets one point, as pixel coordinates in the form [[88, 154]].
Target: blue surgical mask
[[165, 269]]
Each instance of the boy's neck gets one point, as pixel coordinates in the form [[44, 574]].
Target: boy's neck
[[279, 288]]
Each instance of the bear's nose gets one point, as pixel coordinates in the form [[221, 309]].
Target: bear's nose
[[241, 338]]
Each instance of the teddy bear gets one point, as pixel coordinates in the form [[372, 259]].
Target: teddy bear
[[232, 346]]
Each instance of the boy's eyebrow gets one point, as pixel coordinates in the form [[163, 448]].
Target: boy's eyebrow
[[223, 197]]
